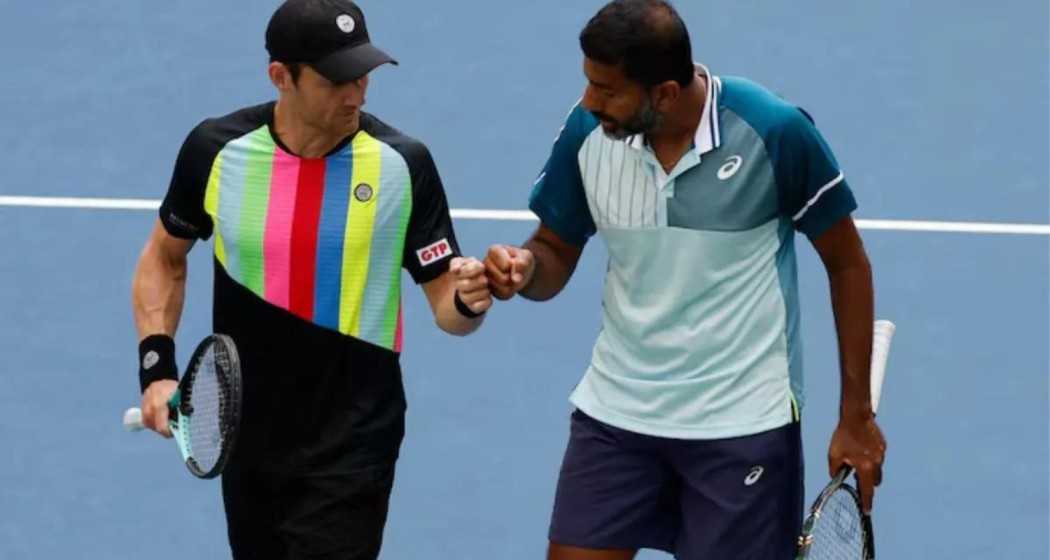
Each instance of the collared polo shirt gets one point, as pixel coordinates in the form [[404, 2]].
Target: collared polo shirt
[[700, 328]]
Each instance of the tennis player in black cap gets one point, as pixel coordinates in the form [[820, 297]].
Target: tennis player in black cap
[[315, 207]]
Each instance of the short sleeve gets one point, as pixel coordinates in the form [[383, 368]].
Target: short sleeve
[[182, 211], [558, 196], [430, 242], [813, 189]]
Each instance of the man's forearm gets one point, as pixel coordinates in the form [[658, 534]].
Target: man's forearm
[[852, 300], [550, 274], [158, 293]]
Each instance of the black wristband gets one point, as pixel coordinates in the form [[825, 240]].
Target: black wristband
[[156, 360], [463, 309]]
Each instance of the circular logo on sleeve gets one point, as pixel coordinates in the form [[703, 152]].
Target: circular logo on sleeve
[[346, 23], [363, 192]]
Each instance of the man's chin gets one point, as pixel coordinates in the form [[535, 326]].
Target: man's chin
[[345, 123], [615, 132]]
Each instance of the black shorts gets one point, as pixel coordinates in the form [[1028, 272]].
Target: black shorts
[[338, 515]]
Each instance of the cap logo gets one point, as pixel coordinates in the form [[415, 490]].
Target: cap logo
[[346, 23], [363, 192]]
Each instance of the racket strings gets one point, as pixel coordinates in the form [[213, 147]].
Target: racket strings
[[209, 401], [838, 534]]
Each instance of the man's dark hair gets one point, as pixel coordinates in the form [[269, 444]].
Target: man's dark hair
[[647, 38]]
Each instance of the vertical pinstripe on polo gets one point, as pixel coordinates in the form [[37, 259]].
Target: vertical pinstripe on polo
[[623, 215], [586, 168], [605, 178], [639, 193], [622, 191]]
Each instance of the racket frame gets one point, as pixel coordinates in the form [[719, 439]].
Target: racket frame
[[837, 484], [882, 334], [180, 409]]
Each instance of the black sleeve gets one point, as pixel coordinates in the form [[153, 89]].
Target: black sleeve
[[182, 211], [430, 243]]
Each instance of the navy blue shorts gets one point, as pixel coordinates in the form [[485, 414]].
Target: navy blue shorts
[[739, 498]]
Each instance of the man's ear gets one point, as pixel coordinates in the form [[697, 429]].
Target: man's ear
[[280, 76], [665, 95]]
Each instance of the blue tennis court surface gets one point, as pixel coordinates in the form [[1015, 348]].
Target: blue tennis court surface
[[937, 111]]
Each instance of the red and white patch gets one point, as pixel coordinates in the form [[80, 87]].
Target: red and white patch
[[434, 252]]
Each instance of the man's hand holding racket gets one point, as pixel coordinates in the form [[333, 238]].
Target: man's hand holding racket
[[155, 406], [202, 411], [858, 443]]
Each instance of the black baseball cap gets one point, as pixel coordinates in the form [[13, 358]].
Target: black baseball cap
[[329, 35]]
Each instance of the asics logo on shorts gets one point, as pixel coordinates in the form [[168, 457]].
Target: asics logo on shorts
[[753, 476]]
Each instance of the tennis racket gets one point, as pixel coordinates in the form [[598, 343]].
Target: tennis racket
[[204, 413], [837, 528]]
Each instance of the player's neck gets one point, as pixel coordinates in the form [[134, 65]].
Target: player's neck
[[675, 135], [680, 123], [303, 139]]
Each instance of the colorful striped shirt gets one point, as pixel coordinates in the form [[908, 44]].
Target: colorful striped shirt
[[310, 248]]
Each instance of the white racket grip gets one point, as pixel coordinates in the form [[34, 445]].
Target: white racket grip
[[880, 351], [133, 419]]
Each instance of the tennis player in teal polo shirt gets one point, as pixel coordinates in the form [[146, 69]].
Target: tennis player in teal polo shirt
[[686, 435]]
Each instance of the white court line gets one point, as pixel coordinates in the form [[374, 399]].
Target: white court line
[[526, 216], [82, 203], [955, 227]]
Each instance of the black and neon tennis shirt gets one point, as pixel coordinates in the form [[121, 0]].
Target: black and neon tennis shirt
[[308, 260]]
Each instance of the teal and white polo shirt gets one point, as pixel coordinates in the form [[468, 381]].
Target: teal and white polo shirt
[[700, 328]]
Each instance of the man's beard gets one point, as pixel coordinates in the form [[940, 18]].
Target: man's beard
[[645, 120]]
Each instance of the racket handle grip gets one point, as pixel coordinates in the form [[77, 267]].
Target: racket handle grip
[[133, 419], [880, 349]]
